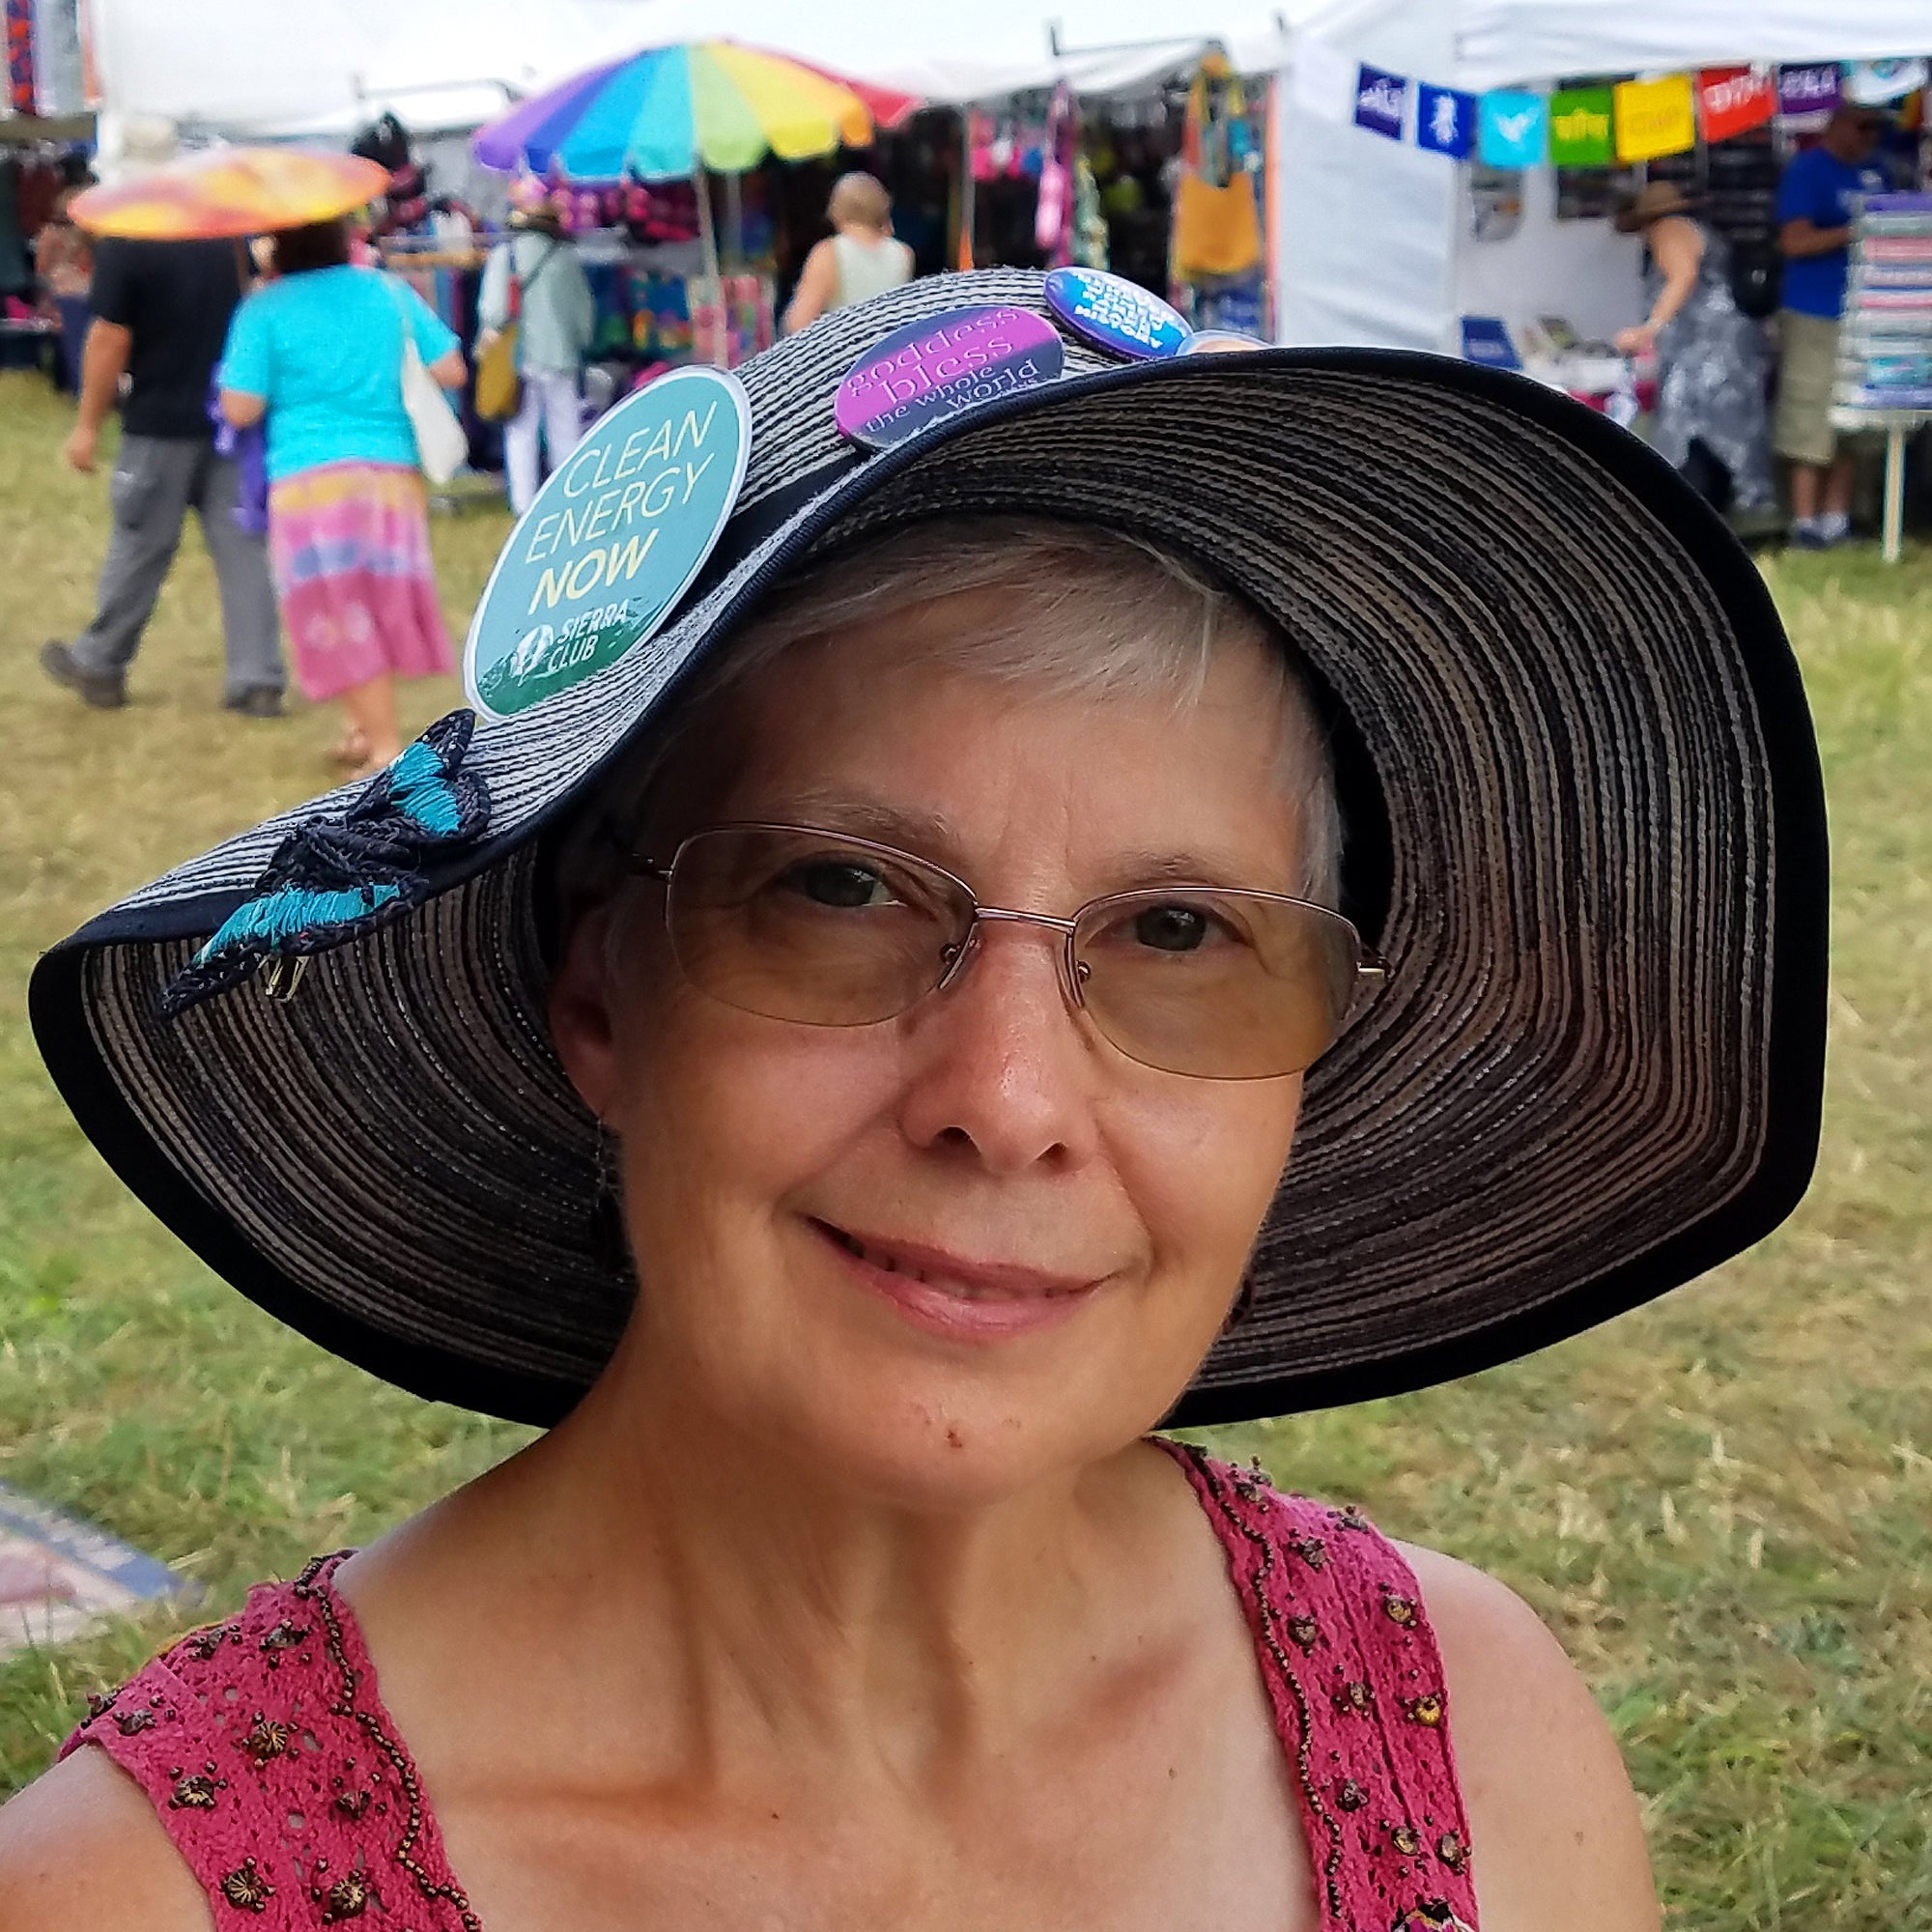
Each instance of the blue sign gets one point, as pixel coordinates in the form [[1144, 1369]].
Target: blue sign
[[612, 541], [1513, 128], [1381, 100], [1445, 121], [1486, 339], [1115, 313]]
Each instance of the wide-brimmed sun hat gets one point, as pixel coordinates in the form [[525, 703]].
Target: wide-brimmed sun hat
[[1584, 827], [1652, 203]]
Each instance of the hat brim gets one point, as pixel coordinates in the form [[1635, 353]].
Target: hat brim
[[1585, 826]]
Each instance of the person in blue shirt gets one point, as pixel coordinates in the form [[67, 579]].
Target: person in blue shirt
[[1817, 203], [319, 354]]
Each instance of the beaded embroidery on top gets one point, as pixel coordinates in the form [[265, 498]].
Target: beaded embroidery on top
[[265, 1748], [265, 1751], [1355, 1681]]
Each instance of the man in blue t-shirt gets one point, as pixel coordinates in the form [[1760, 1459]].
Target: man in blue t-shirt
[[1817, 203]]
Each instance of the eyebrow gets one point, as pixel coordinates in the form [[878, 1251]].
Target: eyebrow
[[920, 833], [932, 836], [1187, 868]]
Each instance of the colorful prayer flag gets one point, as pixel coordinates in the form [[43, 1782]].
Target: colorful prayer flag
[[1513, 128], [1445, 121], [1580, 128], [1734, 100], [1381, 100], [1655, 118], [1878, 83], [1806, 95]]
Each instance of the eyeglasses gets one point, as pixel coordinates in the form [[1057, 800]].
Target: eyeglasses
[[825, 930]]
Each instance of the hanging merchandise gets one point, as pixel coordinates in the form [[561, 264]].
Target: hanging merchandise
[[1445, 121], [1053, 216], [20, 94], [1382, 101], [60, 86], [1217, 229], [1090, 223], [1655, 118], [1732, 100], [1496, 203], [1580, 128], [1513, 128]]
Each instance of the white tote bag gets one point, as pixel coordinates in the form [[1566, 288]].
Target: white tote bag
[[442, 448]]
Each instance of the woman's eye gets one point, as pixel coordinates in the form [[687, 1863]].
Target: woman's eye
[[839, 883], [1173, 928]]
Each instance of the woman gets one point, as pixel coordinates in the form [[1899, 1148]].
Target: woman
[[858, 260], [319, 354], [64, 265], [536, 281], [915, 955], [1710, 422]]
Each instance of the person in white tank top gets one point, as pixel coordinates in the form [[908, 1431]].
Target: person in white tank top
[[861, 259]]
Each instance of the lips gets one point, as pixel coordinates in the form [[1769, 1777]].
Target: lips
[[947, 1293]]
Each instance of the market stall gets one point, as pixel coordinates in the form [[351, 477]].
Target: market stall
[[1458, 235], [645, 147]]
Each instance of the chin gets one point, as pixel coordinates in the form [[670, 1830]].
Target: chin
[[911, 1425]]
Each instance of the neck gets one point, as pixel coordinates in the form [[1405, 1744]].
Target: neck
[[761, 1613]]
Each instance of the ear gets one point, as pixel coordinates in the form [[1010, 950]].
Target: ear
[[580, 1020]]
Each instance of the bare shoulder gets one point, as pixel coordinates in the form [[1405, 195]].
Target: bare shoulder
[[1553, 1822], [82, 1850]]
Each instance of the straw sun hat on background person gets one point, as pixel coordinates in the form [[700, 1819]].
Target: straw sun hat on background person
[[836, 1061]]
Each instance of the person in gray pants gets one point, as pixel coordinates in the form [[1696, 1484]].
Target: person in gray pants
[[160, 317]]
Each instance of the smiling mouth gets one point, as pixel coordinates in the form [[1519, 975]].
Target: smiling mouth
[[968, 1281]]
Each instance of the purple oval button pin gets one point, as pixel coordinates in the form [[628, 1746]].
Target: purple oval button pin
[[934, 369]]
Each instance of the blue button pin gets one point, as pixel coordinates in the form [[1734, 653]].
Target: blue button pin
[[1116, 314]]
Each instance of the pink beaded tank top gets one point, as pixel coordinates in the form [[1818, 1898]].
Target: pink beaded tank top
[[288, 1790]]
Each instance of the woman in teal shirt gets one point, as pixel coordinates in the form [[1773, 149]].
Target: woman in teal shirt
[[319, 351]]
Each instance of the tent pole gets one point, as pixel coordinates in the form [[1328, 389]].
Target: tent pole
[[734, 219], [966, 258], [713, 277]]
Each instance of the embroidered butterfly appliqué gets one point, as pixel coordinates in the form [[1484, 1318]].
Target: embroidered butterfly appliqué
[[338, 876]]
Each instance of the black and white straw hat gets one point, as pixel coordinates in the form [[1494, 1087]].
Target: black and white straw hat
[[1585, 825]]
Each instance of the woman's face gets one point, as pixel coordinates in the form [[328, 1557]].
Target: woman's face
[[1080, 1222]]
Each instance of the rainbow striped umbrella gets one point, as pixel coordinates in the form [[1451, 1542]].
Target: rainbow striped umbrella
[[671, 111]]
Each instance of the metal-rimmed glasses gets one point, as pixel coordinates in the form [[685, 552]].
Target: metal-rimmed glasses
[[796, 924]]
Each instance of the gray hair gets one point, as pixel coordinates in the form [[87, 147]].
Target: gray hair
[[1093, 612]]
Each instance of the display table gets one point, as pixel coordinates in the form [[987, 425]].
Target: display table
[[1885, 345]]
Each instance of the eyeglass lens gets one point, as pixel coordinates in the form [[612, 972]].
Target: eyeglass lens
[[826, 931]]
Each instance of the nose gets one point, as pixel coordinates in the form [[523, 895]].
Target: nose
[[997, 1062]]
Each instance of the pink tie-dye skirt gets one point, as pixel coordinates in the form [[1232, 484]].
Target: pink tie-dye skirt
[[349, 546]]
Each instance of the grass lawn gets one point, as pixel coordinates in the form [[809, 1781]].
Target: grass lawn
[[1722, 1503]]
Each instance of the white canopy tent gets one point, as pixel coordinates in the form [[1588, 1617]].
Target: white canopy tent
[[1341, 183], [240, 67]]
